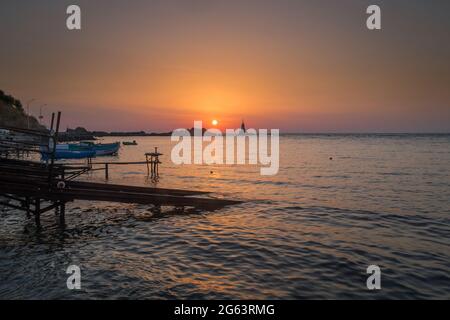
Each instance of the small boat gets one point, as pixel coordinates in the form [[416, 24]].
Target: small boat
[[102, 149], [130, 143], [82, 150], [67, 154], [59, 154], [72, 147]]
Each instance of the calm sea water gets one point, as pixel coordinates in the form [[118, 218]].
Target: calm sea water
[[309, 232]]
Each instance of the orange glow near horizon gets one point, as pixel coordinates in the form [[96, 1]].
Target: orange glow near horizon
[[299, 66]]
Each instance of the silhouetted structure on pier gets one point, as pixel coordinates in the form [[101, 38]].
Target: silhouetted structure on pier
[[243, 126]]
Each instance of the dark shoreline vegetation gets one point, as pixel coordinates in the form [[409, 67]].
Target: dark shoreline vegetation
[[12, 114]]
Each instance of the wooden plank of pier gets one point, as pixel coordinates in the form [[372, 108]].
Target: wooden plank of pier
[[36, 170], [22, 171], [104, 163], [126, 188], [70, 194], [39, 179]]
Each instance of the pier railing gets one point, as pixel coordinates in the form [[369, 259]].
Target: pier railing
[[20, 142]]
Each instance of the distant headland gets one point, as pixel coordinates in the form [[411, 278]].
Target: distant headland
[[81, 133]]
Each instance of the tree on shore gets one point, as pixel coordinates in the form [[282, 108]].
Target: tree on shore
[[12, 114], [11, 101]]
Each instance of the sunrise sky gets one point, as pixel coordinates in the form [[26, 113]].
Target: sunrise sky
[[301, 66]]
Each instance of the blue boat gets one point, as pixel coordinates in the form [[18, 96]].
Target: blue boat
[[68, 154], [101, 149], [81, 150]]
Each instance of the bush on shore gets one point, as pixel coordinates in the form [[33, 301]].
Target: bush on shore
[[12, 114]]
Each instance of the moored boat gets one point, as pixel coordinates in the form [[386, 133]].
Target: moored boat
[[81, 150], [130, 143], [67, 154], [102, 149]]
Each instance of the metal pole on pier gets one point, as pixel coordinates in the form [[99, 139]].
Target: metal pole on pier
[[28, 111], [55, 141], [52, 122], [40, 113]]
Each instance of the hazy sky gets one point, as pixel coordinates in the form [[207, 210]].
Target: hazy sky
[[297, 65]]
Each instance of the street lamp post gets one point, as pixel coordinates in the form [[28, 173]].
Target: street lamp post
[[28, 111], [40, 113]]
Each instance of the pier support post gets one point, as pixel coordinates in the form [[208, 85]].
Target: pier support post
[[27, 207], [106, 171], [179, 209], [157, 167], [62, 213], [148, 168], [153, 163], [156, 209], [37, 212]]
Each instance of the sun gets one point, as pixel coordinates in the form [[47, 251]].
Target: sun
[[215, 122]]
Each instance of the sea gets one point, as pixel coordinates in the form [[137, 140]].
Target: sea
[[339, 204]]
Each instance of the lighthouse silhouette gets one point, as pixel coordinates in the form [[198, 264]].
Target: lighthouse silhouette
[[243, 126]]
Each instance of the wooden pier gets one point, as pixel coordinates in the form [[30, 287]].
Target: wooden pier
[[106, 165], [36, 188]]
